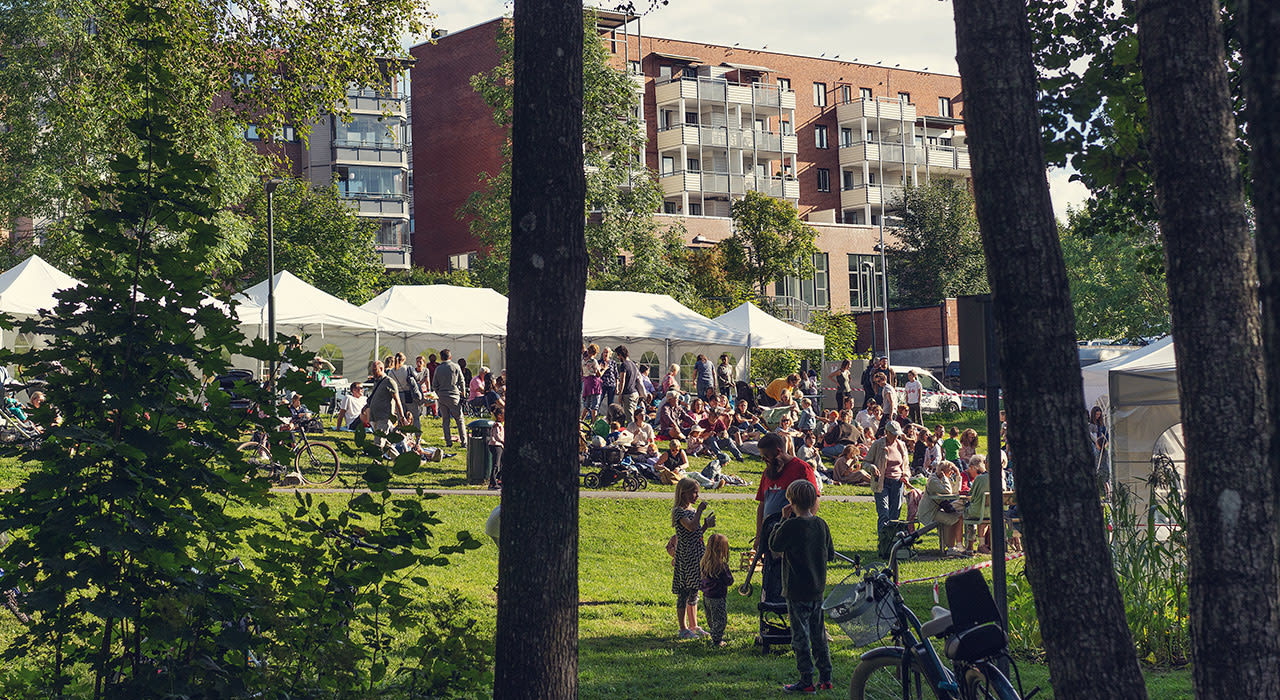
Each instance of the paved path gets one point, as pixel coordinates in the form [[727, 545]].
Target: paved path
[[652, 495]]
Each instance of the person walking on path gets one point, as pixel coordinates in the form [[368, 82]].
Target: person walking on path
[[450, 386]]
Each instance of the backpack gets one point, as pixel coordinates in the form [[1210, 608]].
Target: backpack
[[888, 533]]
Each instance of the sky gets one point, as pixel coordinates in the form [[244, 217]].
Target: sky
[[917, 34]]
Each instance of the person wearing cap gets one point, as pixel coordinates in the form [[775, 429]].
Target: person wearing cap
[[889, 463]]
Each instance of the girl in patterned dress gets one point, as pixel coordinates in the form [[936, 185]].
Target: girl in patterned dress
[[687, 578]]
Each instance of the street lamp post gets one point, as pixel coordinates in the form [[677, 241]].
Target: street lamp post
[[870, 267], [270, 186]]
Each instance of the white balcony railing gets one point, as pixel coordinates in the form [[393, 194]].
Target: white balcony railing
[[721, 90]]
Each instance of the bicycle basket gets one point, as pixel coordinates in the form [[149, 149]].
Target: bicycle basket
[[853, 606]]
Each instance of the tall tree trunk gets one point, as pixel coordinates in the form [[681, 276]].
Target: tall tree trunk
[[537, 639], [1262, 95], [1213, 300], [1081, 613]]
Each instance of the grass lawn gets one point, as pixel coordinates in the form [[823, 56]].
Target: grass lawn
[[627, 613]]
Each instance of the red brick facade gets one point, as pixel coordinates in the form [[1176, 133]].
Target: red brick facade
[[921, 328]]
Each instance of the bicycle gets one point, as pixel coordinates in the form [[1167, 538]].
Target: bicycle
[[314, 463], [910, 669]]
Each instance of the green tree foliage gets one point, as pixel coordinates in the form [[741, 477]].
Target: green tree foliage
[[938, 253], [417, 275], [715, 293], [769, 242], [840, 332], [136, 501], [622, 194], [1117, 280], [65, 102], [318, 238]]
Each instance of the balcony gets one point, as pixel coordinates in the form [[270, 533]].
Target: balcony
[[378, 101], [397, 257], [881, 108], [723, 91], [368, 152], [726, 183], [722, 137], [380, 204], [859, 152], [948, 157], [862, 195]]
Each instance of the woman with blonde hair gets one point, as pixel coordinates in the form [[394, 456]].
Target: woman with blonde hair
[[592, 385]]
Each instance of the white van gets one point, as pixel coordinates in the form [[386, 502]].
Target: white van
[[936, 396]]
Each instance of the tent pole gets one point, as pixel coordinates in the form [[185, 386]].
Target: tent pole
[[822, 374]]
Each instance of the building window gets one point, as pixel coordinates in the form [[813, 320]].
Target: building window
[[784, 84], [690, 117], [668, 207], [846, 137], [819, 94], [944, 106], [633, 67], [864, 93], [904, 97], [813, 290], [824, 180], [668, 165], [847, 176], [866, 282], [283, 134], [368, 130], [820, 136], [695, 209], [693, 166], [853, 216], [370, 181], [846, 93], [786, 128], [462, 261]]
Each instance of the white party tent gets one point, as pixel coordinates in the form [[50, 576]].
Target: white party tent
[[25, 289], [1096, 376], [424, 319], [333, 328], [1145, 414], [657, 329], [763, 330]]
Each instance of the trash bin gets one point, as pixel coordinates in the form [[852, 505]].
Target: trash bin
[[479, 463]]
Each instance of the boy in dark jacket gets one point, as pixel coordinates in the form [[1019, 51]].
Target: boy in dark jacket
[[804, 541]]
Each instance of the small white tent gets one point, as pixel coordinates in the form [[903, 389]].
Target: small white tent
[[334, 328], [423, 319], [1096, 376], [655, 327], [30, 285], [1145, 414], [762, 330]]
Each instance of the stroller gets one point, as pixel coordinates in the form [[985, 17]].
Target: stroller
[[775, 624], [15, 426], [606, 465]]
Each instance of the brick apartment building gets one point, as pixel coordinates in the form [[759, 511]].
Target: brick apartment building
[[837, 138]]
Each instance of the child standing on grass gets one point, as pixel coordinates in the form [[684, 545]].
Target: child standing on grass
[[687, 579], [804, 541], [716, 579]]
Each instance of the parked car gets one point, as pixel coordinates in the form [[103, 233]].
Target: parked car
[[936, 397]]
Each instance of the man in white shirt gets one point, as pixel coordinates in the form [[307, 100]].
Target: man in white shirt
[[869, 417], [914, 391], [351, 407]]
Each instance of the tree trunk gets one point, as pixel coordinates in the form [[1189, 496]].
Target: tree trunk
[[537, 638], [1081, 613], [1262, 95], [1213, 301]]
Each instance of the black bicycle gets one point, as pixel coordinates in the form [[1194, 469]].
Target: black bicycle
[[872, 607], [313, 462]]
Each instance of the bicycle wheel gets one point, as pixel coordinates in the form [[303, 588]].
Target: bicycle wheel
[[591, 480], [255, 454], [881, 678], [317, 463], [986, 682]]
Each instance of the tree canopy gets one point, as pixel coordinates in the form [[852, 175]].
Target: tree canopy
[[769, 242], [1117, 281], [938, 253]]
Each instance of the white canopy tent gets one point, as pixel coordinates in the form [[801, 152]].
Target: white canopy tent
[[25, 289], [1096, 376], [655, 326], [1145, 414], [763, 330], [423, 319], [331, 327]]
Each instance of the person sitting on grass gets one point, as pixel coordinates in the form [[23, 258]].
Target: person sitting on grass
[[350, 408], [716, 579], [951, 446], [804, 541], [746, 426], [670, 416], [968, 447], [686, 579], [673, 465], [839, 435], [848, 467], [808, 419], [643, 446]]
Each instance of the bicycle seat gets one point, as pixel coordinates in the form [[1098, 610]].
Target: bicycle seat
[[939, 625]]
